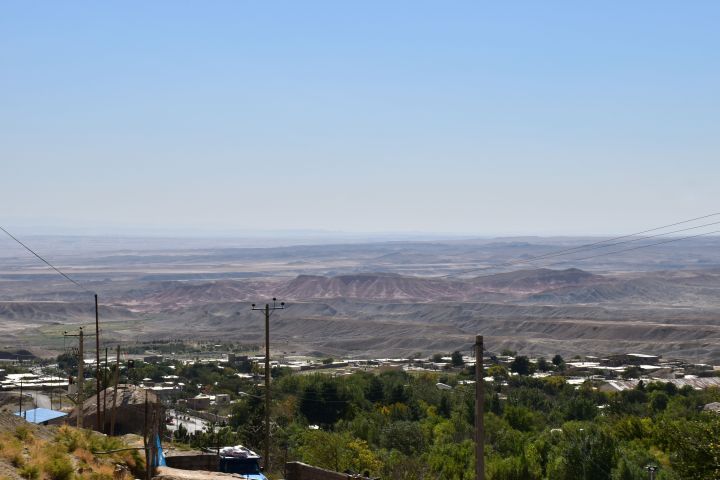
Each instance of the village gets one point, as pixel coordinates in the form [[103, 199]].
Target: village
[[189, 391]]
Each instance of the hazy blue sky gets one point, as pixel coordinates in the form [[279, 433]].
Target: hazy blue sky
[[472, 117]]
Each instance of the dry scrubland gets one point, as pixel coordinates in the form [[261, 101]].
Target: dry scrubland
[[61, 453]]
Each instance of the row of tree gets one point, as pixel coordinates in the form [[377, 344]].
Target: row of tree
[[400, 426]]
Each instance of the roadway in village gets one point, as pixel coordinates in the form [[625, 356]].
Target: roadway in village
[[40, 399], [192, 423]]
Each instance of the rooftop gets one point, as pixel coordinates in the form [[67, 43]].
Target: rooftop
[[40, 415]]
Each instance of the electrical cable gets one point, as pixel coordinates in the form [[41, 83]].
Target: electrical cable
[[595, 245], [650, 245], [592, 256], [77, 284], [635, 234]]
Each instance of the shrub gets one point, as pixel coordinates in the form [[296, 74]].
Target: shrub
[[69, 438], [30, 471], [59, 468], [23, 433], [17, 460]]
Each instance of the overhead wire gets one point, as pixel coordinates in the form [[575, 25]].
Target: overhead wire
[[631, 235], [597, 246], [557, 254], [601, 244], [650, 245], [63, 274]]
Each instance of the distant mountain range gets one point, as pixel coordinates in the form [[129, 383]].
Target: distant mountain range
[[569, 286]]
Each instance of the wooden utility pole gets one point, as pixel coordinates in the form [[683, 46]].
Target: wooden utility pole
[[479, 410], [115, 389], [98, 413], [267, 385], [105, 380], [148, 462], [21, 395], [80, 380], [268, 311], [154, 433], [81, 376]]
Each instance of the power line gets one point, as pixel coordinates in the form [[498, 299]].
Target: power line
[[558, 254], [649, 245], [636, 233], [611, 253], [595, 245], [43, 260]]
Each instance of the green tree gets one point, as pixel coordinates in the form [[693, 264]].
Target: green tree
[[521, 365], [374, 389], [579, 408], [585, 452], [543, 364], [498, 372], [509, 468], [452, 461], [337, 451], [694, 446], [404, 436], [659, 401], [457, 359], [522, 418]]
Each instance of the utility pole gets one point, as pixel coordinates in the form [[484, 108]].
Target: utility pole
[[651, 470], [21, 394], [81, 376], [148, 463], [268, 311], [106, 381], [98, 419], [80, 380], [115, 389], [479, 410]]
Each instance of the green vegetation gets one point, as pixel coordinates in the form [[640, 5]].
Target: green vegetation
[[68, 456], [400, 426]]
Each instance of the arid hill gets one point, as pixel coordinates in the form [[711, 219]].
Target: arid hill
[[384, 298]]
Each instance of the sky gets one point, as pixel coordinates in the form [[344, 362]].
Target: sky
[[481, 118]]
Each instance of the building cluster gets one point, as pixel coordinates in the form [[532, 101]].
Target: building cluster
[[30, 381], [611, 373]]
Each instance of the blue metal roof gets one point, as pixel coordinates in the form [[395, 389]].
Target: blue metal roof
[[40, 415]]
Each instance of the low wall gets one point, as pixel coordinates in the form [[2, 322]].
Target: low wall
[[301, 471], [206, 461]]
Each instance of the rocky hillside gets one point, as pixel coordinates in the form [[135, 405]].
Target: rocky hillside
[[33, 452]]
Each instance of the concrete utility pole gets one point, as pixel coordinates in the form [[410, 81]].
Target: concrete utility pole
[[98, 415], [479, 410], [268, 311]]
